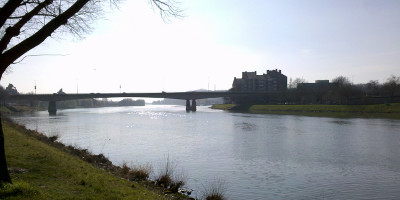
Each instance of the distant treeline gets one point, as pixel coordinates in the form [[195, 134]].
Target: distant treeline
[[79, 103], [93, 103], [339, 91], [84, 103]]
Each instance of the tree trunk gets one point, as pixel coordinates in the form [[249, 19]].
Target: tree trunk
[[4, 174]]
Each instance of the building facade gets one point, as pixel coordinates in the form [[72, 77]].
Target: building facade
[[319, 92], [272, 81]]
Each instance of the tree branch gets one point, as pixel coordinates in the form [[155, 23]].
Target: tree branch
[[168, 9], [36, 55], [8, 57], [15, 30], [7, 10]]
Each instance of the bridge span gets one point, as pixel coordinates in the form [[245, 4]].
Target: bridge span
[[53, 98]]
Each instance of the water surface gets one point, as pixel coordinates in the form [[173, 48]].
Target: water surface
[[259, 156]]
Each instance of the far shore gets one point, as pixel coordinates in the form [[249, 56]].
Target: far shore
[[391, 111], [365, 111]]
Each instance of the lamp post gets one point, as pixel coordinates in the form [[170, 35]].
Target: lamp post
[[77, 82]]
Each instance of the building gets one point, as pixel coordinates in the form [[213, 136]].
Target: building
[[319, 92], [322, 85], [272, 81], [275, 81]]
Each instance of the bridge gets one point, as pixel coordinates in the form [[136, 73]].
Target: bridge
[[53, 98]]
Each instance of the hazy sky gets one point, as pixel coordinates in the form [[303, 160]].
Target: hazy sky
[[216, 41]]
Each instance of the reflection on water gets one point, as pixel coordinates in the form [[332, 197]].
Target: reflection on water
[[246, 126], [259, 156], [341, 122]]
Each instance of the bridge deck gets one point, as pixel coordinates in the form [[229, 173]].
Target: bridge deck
[[168, 95]]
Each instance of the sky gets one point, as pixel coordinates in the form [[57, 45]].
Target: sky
[[131, 49]]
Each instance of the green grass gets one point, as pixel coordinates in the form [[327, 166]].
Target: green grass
[[380, 108], [4, 109], [14, 109], [369, 111], [40, 171], [223, 106]]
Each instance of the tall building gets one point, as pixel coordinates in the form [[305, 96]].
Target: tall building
[[272, 81]]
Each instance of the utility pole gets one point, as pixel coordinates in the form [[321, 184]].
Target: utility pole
[[35, 87]]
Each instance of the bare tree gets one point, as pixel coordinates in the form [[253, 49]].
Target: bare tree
[[392, 85], [342, 88], [372, 87], [295, 83], [25, 24]]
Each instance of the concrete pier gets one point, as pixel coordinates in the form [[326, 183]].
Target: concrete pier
[[188, 108], [194, 105], [191, 107], [52, 108]]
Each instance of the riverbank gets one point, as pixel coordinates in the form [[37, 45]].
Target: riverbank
[[380, 110], [44, 169], [16, 109]]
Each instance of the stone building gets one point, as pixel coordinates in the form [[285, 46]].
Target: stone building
[[272, 81]]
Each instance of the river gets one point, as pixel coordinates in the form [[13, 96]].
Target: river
[[258, 156]]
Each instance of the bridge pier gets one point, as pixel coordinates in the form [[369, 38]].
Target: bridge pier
[[194, 105], [191, 107], [188, 108], [52, 108]]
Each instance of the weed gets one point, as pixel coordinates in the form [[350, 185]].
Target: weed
[[54, 138], [16, 189], [82, 182], [140, 172], [214, 190], [169, 178], [124, 169]]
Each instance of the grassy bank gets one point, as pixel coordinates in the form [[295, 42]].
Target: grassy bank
[[380, 110], [15, 109], [40, 171]]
